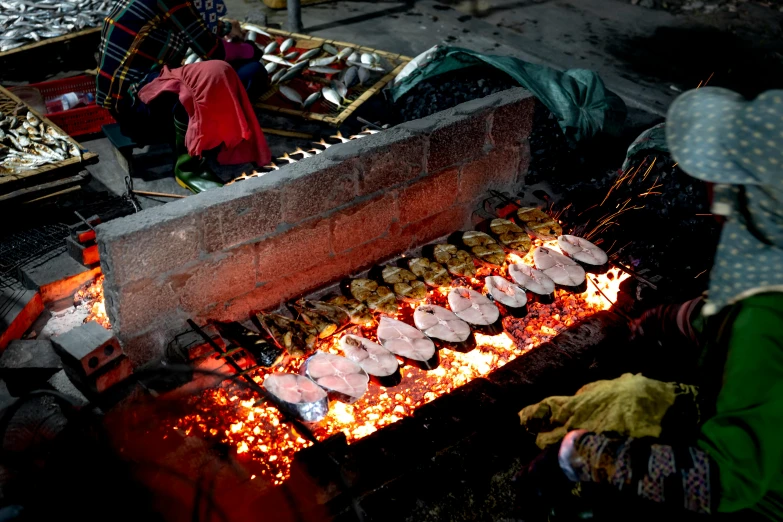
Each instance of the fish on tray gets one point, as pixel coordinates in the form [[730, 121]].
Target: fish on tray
[[407, 342], [265, 353], [378, 298], [405, 283], [379, 363], [560, 269], [434, 274], [342, 378], [484, 247], [325, 317], [473, 307], [534, 280], [538, 223], [502, 291], [439, 323], [582, 250], [458, 262], [298, 395], [357, 311], [510, 235], [295, 337]]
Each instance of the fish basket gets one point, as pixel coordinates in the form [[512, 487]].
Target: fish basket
[[81, 120], [50, 177], [273, 101]]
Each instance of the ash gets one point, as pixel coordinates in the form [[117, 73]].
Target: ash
[[62, 321]]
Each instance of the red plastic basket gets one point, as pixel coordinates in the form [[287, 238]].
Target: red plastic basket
[[81, 120]]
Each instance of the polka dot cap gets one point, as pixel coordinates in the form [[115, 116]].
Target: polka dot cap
[[718, 136]]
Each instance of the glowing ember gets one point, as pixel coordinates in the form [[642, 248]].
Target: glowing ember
[[93, 293], [258, 433]]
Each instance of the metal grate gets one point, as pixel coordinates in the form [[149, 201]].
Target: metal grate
[[22, 247]]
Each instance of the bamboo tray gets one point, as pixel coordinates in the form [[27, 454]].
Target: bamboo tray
[[9, 103], [48, 41], [358, 96]]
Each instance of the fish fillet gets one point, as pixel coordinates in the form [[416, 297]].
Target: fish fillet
[[558, 267], [505, 292], [338, 375], [434, 274], [534, 280], [458, 262], [472, 307], [510, 235], [582, 250], [404, 340], [440, 323], [298, 395], [538, 223], [372, 357]]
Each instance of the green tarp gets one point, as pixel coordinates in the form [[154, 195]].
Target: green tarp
[[577, 97]]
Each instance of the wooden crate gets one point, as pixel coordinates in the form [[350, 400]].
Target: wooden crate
[[337, 116], [9, 183]]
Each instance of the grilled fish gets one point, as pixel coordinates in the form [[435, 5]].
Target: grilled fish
[[358, 311], [534, 280], [458, 262], [561, 269], [472, 307], [264, 353], [326, 317], [405, 284], [378, 298], [539, 224], [342, 378], [298, 395], [439, 323], [510, 235], [582, 250], [484, 247], [295, 337]]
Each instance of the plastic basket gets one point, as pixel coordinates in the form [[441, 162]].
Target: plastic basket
[[81, 120]]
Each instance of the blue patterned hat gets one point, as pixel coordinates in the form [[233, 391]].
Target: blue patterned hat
[[716, 135]]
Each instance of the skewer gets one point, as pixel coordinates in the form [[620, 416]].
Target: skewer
[[158, 194]]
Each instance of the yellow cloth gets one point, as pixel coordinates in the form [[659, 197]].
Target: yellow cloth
[[631, 405]]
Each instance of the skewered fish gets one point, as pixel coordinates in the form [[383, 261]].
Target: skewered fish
[[265, 353], [582, 250], [295, 337], [484, 247], [405, 283], [534, 280], [439, 323], [539, 224], [342, 378], [379, 363], [506, 293], [559, 268], [408, 342], [358, 311], [458, 262], [472, 307], [325, 317], [378, 298], [510, 235], [298, 395], [434, 274]]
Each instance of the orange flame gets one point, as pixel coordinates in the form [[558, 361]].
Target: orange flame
[[94, 292]]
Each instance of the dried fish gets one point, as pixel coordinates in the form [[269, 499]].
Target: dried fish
[[320, 62], [26, 21], [332, 96], [310, 54], [344, 53], [331, 49], [271, 47], [276, 59], [312, 99], [290, 93], [32, 119], [286, 45]]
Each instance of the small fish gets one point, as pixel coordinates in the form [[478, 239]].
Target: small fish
[[287, 158], [350, 76], [309, 54], [298, 66], [344, 53], [331, 49], [276, 59], [74, 151], [291, 94], [355, 57], [256, 29], [270, 67], [271, 47], [323, 143], [191, 59], [339, 136], [2, 134], [319, 62], [290, 74], [24, 141], [286, 45], [276, 77], [312, 99], [32, 119], [340, 87], [367, 59], [303, 153], [290, 56], [272, 166], [331, 96], [323, 70], [364, 75]]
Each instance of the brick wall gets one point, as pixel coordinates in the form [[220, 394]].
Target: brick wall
[[254, 244]]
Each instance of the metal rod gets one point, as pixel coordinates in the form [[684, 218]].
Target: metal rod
[[634, 274], [289, 134], [294, 15], [158, 194], [368, 123], [83, 220]]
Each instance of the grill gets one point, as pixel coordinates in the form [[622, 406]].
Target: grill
[[28, 246]]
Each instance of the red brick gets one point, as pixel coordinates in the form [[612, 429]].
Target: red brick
[[225, 276], [497, 169], [241, 219], [457, 141], [319, 191], [429, 195], [392, 244], [444, 223], [293, 251], [364, 222], [512, 123], [524, 163], [400, 162], [136, 306]]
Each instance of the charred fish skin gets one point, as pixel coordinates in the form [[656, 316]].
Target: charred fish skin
[[357, 311], [538, 223], [434, 274], [264, 353], [295, 337], [511, 236], [458, 262], [330, 317]]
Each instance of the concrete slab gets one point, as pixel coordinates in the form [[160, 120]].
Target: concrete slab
[[57, 277]]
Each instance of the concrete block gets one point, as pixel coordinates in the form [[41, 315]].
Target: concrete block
[[497, 170], [438, 225], [364, 222], [115, 372], [57, 277], [429, 195], [392, 244], [316, 192], [146, 245], [87, 348], [400, 162], [20, 308], [200, 286], [135, 306], [148, 347], [293, 251], [26, 365], [85, 254], [512, 120], [457, 140], [189, 346], [241, 219], [61, 383]]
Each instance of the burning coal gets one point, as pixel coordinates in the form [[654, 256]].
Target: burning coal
[[91, 295], [258, 433]]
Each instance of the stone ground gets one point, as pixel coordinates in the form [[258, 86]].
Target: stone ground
[[646, 55]]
